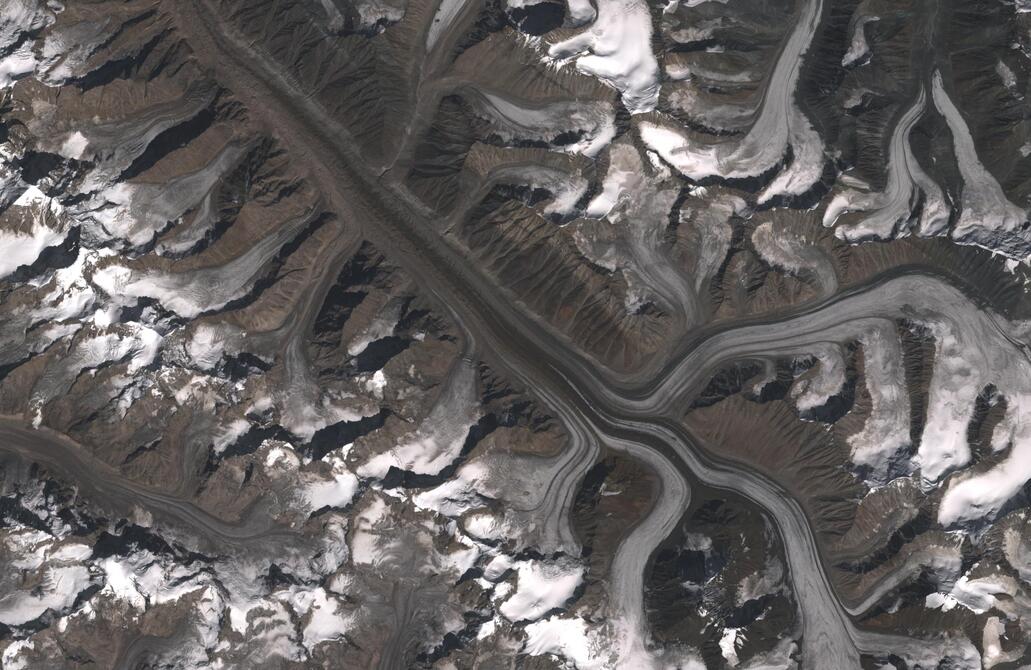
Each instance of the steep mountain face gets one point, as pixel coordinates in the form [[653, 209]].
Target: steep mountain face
[[515, 334]]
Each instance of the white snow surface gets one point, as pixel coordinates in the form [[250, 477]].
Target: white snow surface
[[617, 50], [337, 491], [60, 587], [59, 575], [591, 647], [779, 125], [23, 248], [514, 121], [977, 595], [19, 17], [131, 342], [17, 65], [728, 646], [229, 434], [457, 495], [118, 280], [447, 12], [987, 217], [207, 345], [382, 325], [826, 381], [943, 446], [10, 659], [541, 587], [144, 580], [886, 430], [325, 618], [858, 48], [614, 188], [768, 581], [568, 638], [889, 213], [439, 438], [75, 145], [364, 538]]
